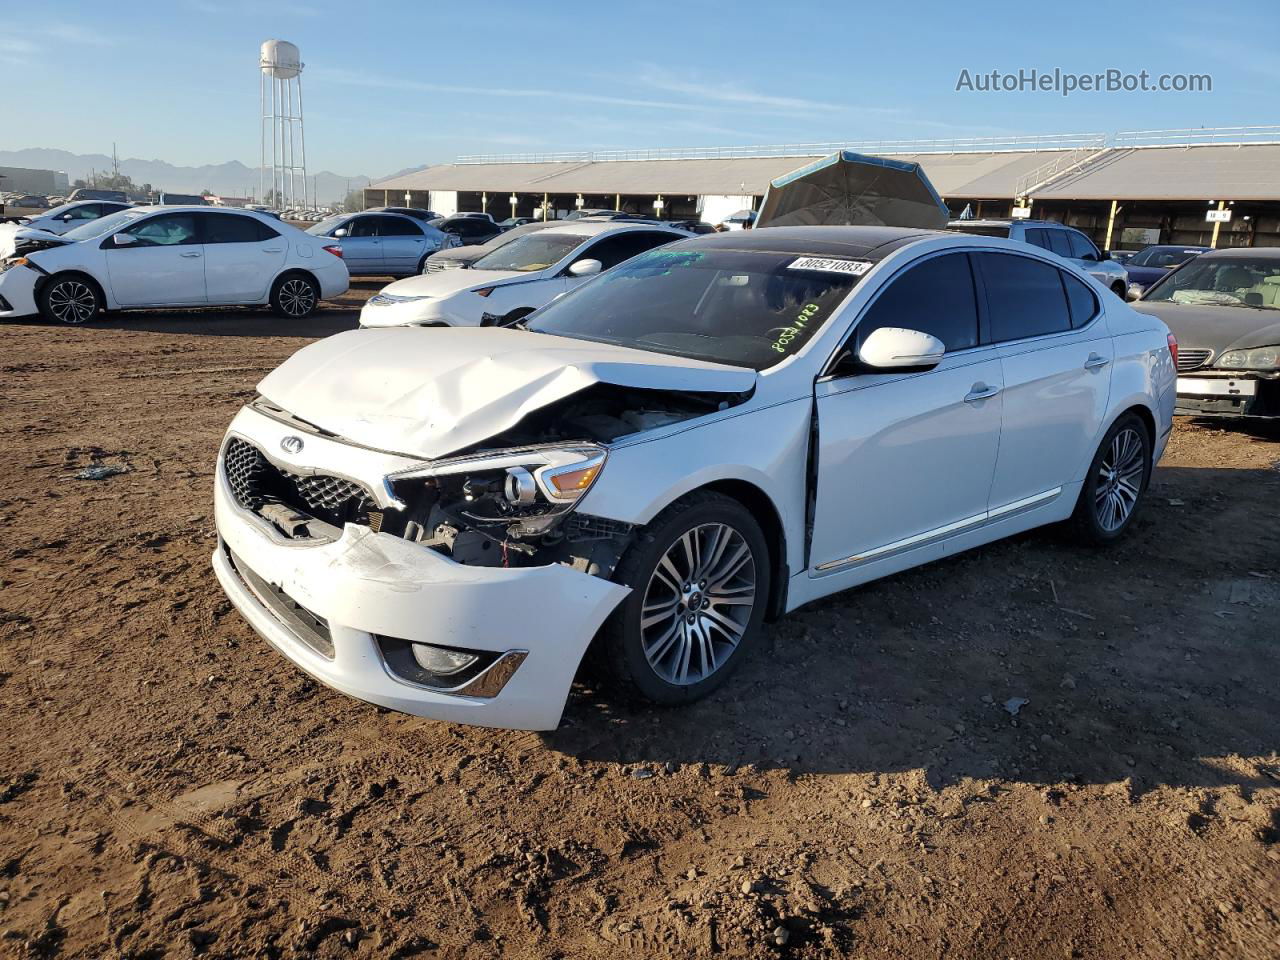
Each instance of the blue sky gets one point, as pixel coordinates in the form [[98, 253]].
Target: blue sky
[[390, 85]]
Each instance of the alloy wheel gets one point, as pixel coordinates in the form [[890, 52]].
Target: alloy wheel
[[297, 298], [1119, 480], [73, 301], [698, 603]]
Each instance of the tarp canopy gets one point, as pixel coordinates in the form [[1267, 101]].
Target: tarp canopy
[[851, 188]]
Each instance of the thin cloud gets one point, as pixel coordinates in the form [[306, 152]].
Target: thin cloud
[[722, 93]]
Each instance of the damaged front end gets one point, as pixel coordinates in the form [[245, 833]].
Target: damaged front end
[[510, 501]]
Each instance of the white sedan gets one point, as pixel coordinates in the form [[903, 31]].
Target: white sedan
[[706, 437], [515, 279], [67, 217], [169, 257]]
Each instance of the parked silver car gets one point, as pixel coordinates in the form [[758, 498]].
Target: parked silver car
[[383, 244], [1067, 242]]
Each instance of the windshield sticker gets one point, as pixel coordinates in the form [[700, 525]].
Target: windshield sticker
[[851, 268], [782, 343]]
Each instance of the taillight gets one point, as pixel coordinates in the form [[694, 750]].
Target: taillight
[[335, 250], [1173, 349]]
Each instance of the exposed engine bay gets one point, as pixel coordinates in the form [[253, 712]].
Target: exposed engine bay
[[506, 502]]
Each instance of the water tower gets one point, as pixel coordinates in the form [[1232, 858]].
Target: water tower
[[281, 98]]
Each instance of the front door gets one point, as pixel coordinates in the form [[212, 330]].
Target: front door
[[362, 247], [906, 458], [164, 265]]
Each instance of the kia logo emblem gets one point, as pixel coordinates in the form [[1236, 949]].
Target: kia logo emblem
[[291, 444]]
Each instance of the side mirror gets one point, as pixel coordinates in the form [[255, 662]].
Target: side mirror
[[1133, 292], [123, 240], [894, 348], [340, 232], [1104, 255], [65, 218], [585, 268]]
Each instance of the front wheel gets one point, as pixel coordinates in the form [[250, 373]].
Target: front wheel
[[1119, 289], [70, 298], [1115, 484], [699, 579], [294, 296]]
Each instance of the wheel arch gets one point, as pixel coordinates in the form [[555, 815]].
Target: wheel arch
[[291, 271], [107, 301]]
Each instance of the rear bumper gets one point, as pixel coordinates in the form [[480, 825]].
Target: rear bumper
[[537, 621]]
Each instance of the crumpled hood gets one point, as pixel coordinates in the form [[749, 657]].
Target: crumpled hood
[[431, 392], [448, 282], [13, 234], [1216, 328]]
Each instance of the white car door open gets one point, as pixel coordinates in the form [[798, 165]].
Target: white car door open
[[158, 261], [905, 457]]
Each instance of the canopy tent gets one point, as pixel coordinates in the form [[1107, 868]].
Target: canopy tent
[[851, 188]]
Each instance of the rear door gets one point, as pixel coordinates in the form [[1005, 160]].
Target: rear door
[[403, 243], [242, 256], [1055, 353], [906, 459], [163, 266]]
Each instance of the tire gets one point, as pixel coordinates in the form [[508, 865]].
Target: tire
[[422, 264], [1119, 289], [1111, 496], [681, 655], [70, 298], [294, 296]]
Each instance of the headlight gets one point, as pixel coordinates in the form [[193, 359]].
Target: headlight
[[1259, 358], [10, 264], [526, 489], [387, 299]]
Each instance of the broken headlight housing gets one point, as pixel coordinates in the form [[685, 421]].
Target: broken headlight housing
[[525, 489]]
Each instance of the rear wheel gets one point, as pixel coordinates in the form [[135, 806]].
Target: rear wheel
[[699, 579], [70, 298], [295, 296], [1115, 484]]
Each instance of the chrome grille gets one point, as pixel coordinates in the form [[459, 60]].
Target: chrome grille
[[254, 480], [1192, 359], [437, 266]]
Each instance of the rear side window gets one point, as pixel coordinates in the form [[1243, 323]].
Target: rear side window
[[935, 297], [1025, 297], [398, 227], [233, 228], [1081, 302]]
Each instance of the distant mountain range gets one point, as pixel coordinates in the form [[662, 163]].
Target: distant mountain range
[[232, 178]]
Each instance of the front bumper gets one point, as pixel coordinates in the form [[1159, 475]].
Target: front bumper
[[366, 585], [18, 292], [1228, 395], [412, 313]]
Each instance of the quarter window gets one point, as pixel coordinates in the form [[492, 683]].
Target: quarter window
[[1081, 302], [935, 297], [1025, 297]]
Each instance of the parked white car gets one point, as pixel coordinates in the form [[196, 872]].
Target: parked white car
[[170, 257], [61, 219], [515, 279], [710, 435]]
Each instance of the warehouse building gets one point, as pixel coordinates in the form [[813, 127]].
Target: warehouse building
[[1219, 187], [30, 180]]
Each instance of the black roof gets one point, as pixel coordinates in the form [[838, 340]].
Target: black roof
[[867, 243]]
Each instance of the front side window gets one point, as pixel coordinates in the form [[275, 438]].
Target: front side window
[[746, 308], [533, 251], [326, 227], [85, 212], [1082, 247], [363, 227], [104, 225], [1025, 297], [172, 229], [935, 297], [612, 251], [1222, 281]]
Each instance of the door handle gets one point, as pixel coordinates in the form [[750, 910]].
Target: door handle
[[192, 253], [1095, 361], [980, 391], [272, 249]]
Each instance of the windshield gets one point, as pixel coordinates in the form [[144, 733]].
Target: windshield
[[101, 227], [533, 251], [322, 228], [1224, 281], [1162, 257], [743, 308]]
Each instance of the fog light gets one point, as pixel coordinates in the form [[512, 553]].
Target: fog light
[[442, 661]]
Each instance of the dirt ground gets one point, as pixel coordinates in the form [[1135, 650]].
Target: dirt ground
[[171, 787]]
